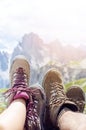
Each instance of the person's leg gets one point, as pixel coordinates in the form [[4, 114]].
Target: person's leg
[[13, 118], [63, 113], [72, 121]]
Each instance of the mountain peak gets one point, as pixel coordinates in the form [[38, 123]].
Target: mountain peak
[[32, 38]]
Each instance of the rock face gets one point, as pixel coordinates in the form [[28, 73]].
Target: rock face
[[42, 57], [39, 53], [4, 62]]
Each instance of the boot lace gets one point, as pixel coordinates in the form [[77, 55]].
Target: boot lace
[[19, 77], [57, 93], [32, 114], [19, 81]]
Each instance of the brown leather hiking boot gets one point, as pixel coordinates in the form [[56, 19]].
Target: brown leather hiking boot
[[34, 96], [77, 95], [55, 96]]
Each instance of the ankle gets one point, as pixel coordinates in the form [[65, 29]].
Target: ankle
[[64, 119]]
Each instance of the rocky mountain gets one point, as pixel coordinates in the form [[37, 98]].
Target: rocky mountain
[[41, 57], [4, 63], [33, 47], [66, 53]]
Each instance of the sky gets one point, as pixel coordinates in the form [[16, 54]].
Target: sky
[[64, 20]]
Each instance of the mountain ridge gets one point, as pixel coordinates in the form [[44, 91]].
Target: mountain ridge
[[34, 44], [43, 56]]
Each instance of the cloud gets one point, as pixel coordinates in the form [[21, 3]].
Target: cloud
[[51, 19]]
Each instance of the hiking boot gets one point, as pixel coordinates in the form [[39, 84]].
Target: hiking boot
[[77, 95], [35, 109], [19, 79], [55, 96]]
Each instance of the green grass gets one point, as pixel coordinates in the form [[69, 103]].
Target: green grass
[[2, 90], [80, 82], [2, 100]]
